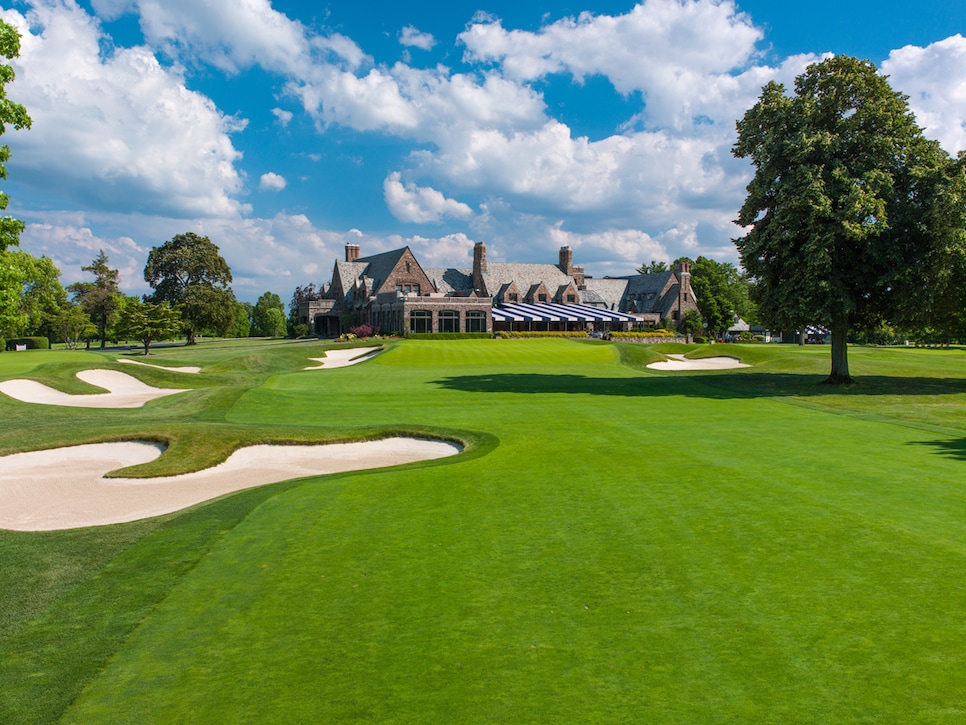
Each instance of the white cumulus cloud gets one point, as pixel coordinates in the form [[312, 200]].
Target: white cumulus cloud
[[420, 204], [271, 182], [934, 78], [413, 38], [117, 130]]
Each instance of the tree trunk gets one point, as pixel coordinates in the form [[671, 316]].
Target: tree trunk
[[840, 353]]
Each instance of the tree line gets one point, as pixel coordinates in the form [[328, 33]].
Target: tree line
[[191, 296]]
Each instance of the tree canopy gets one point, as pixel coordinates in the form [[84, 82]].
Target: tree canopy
[[100, 298], [148, 322], [189, 272], [851, 209], [264, 322], [721, 292], [15, 115]]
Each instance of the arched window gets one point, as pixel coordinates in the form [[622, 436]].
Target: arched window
[[475, 321], [420, 321], [449, 321]]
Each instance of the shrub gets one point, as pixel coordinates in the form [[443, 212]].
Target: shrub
[[638, 334], [300, 330], [32, 343], [520, 335], [450, 335], [364, 330], [700, 339]]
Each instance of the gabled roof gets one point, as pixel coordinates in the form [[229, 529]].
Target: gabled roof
[[380, 266], [449, 281], [348, 273], [525, 276], [609, 291]]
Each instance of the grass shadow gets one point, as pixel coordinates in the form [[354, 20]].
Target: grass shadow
[[716, 386], [952, 448]]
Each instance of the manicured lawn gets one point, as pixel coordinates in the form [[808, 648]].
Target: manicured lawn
[[615, 545]]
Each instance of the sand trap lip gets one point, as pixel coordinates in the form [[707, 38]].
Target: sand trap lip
[[679, 362], [125, 391], [65, 488], [191, 369], [344, 358]]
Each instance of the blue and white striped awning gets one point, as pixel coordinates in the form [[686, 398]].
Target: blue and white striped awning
[[549, 312]]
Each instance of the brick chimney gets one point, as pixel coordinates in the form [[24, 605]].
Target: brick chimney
[[479, 266], [566, 261], [683, 271], [352, 252]]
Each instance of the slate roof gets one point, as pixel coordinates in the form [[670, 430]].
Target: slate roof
[[525, 276], [380, 266], [449, 280], [607, 290], [349, 272]]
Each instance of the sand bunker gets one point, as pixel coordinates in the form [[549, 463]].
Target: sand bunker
[[192, 369], [679, 362], [342, 358], [125, 391], [65, 488]]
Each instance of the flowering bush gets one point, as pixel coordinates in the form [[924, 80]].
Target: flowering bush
[[364, 330]]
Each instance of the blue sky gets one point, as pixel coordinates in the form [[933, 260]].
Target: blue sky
[[284, 130]]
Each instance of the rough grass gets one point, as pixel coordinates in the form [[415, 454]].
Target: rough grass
[[618, 545]]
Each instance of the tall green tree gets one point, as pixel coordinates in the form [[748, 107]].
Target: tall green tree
[[100, 298], [15, 115], [850, 207], [44, 298], [261, 322], [188, 271], [722, 292], [148, 322], [12, 275]]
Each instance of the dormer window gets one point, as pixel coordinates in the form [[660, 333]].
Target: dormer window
[[513, 297], [541, 298]]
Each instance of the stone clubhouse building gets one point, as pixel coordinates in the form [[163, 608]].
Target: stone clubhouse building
[[393, 292]]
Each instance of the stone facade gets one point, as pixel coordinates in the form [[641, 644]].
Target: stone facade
[[394, 292]]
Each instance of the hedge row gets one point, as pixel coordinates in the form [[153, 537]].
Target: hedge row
[[645, 333], [450, 335], [31, 343], [509, 335]]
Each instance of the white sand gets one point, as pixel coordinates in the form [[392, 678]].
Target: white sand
[[192, 369], [679, 362], [65, 488], [125, 391], [343, 358]]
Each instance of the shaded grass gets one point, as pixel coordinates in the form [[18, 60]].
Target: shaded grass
[[622, 545]]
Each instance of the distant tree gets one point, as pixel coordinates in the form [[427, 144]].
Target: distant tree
[[188, 271], [44, 298], [261, 322], [722, 292], [74, 325], [692, 324], [275, 322], [308, 293], [850, 207], [13, 275], [148, 322], [653, 268], [243, 320], [208, 309], [15, 115], [100, 298]]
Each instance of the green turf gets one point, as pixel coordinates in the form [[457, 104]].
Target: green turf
[[617, 544]]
